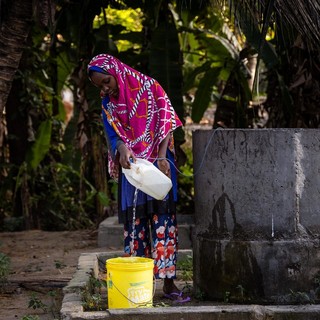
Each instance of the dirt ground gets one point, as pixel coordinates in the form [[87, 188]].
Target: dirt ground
[[42, 263]]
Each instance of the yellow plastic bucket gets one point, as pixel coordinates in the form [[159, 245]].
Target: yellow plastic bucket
[[130, 282]]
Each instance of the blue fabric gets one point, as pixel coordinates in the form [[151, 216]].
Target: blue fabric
[[111, 135], [97, 69]]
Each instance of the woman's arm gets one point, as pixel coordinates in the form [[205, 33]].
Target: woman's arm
[[113, 139], [117, 145], [163, 163]]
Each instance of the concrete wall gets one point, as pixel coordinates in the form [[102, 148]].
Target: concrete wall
[[257, 202]]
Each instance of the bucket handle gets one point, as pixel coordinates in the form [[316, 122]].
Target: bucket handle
[[136, 303]]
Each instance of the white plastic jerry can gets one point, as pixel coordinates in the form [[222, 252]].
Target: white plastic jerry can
[[148, 178]]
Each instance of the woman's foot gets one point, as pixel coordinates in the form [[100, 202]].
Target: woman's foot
[[172, 292], [169, 286]]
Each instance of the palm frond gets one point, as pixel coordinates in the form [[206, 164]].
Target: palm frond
[[302, 16]]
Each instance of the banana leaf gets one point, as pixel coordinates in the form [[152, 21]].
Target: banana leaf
[[204, 92], [41, 145]]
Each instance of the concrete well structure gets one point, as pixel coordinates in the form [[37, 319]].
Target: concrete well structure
[[257, 215]]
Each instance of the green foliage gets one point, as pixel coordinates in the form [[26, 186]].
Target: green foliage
[[63, 210], [209, 56], [226, 297], [185, 185], [103, 198], [204, 92], [186, 268], [6, 187], [129, 23], [59, 264], [297, 297], [47, 189], [29, 317], [36, 303], [200, 295], [41, 145], [11, 224], [92, 299], [161, 305], [54, 193], [241, 291], [4, 268]]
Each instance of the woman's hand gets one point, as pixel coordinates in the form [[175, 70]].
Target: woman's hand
[[125, 156], [164, 167]]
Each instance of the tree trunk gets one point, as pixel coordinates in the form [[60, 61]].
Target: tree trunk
[[99, 172], [14, 31]]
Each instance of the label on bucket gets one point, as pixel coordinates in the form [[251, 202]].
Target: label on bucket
[[139, 295]]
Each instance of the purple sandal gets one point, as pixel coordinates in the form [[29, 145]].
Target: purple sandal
[[174, 296]]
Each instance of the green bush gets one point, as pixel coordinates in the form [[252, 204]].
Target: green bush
[[4, 267]]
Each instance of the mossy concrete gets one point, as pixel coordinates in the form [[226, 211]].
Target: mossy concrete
[[257, 214]]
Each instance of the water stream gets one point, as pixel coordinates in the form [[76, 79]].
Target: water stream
[[133, 233]]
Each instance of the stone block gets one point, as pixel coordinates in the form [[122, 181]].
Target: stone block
[[110, 233]]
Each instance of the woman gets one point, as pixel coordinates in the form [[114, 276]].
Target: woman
[[139, 121]]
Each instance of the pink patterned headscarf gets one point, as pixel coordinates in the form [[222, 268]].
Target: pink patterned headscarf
[[142, 115]]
